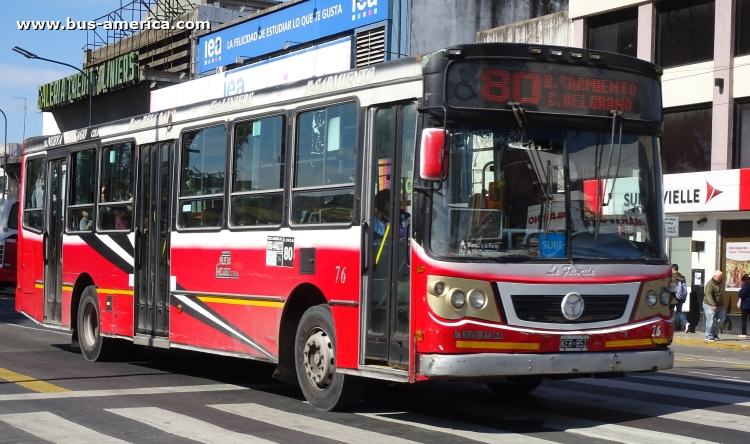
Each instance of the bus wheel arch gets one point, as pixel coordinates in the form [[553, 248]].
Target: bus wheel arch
[[300, 299]]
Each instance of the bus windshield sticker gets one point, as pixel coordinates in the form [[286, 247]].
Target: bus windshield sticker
[[224, 267], [280, 252]]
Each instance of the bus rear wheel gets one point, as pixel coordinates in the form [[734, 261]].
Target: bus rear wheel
[[517, 385], [94, 347], [315, 362]]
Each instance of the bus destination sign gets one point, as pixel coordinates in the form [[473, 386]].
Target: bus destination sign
[[551, 88]]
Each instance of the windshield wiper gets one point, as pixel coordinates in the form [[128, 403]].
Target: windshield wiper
[[600, 203], [520, 114]]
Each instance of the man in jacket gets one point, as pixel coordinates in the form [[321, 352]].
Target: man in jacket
[[713, 306]]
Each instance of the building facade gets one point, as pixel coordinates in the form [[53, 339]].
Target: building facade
[[704, 48]]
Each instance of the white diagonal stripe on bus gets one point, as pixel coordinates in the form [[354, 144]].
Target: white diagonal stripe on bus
[[569, 424], [116, 248], [669, 391], [645, 408], [462, 429], [53, 428], [306, 424], [222, 324], [185, 426], [739, 386], [124, 392]]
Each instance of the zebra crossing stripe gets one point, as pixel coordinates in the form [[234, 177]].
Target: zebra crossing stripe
[[185, 426], [306, 424], [737, 386], [127, 392], [464, 430], [585, 427], [668, 391], [55, 429], [686, 414]]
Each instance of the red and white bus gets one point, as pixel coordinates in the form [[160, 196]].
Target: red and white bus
[[488, 212]]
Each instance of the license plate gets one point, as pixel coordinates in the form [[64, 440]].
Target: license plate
[[574, 343]]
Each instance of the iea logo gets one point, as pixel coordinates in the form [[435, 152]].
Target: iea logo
[[363, 8], [212, 50]]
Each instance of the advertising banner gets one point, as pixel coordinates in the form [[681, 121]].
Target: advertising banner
[[737, 263], [296, 24]]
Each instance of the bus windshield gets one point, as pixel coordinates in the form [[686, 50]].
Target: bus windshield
[[505, 195]]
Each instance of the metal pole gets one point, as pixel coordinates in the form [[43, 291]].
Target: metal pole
[[5, 156], [30, 55]]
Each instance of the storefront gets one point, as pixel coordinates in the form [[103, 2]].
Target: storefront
[[713, 211]]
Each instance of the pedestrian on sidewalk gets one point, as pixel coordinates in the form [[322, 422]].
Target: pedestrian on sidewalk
[[744, 296], [713, 306], [679, 297]]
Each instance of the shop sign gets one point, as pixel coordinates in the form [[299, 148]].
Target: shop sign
[[302, 22], [671, 226], [112, 74], [706, 192], [737, 260]]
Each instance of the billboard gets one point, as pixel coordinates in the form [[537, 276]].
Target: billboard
[[296, 24]]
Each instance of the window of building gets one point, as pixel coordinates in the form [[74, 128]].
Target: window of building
[[686, 141], [742, 140], [325, 165], [614, 32], [743, 28], [81, 206], [33, 209], [684, 32], [258, 176], [203, 169], [116, 190]]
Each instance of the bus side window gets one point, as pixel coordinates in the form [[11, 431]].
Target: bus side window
[[81, 205], [34, 195], [116, 188], [202, 175], [325, 165], [257, 194]]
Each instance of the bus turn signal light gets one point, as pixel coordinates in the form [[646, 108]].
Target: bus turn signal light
[[419, 335]]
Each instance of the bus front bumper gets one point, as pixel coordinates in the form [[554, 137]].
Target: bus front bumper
[[490, 365]]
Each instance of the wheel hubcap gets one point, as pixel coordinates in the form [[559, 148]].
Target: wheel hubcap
[[318, 359]]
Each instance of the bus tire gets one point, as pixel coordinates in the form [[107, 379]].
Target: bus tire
[[315, 362], [94, 347], [518, 385]]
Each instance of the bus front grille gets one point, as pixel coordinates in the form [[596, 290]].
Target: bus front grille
[[547, 308]]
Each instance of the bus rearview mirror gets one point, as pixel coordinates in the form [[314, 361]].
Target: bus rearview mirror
[[433, 160]]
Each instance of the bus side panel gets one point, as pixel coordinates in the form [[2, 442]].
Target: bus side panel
[[97, 256], [231, 263], [31, 301]]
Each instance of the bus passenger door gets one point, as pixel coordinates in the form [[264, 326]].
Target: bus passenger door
[[388, 217], [56, 174], [152, 240]]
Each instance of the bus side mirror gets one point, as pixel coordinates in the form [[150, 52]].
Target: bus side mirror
[[433, 159]]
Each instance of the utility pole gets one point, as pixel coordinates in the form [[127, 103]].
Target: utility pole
[[22, 107]]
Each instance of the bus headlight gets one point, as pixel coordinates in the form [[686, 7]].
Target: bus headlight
[[651, 298], [477, 299], [665, 296], [458, 299], [438, 288]]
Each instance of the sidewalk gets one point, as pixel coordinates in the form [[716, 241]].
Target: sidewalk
[[699, 339]]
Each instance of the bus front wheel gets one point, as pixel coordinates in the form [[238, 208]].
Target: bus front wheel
[[94, 346], [315, 362]]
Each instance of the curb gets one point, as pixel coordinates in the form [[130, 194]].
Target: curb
[[713, 344]]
